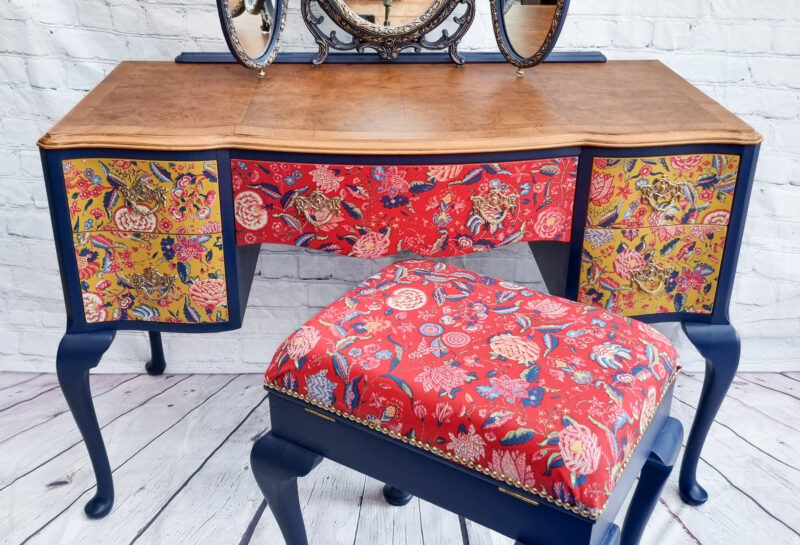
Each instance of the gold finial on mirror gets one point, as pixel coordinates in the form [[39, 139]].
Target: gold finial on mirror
[[527, 30]]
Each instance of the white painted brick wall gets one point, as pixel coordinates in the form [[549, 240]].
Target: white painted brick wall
[[743, 53]]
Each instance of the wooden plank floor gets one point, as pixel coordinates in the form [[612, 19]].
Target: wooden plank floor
[[179, 447]]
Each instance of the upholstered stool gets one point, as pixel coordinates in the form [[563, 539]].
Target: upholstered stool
[[528, 413]]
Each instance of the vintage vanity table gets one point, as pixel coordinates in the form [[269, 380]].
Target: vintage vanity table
[[630, 185]]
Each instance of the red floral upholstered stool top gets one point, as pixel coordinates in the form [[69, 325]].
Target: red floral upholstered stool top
[[539, 392]]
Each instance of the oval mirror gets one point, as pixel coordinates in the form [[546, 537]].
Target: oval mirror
[[252, 29], [527, 30], [389, 26]]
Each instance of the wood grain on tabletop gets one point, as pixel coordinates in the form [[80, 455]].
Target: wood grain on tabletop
[[394, 109]]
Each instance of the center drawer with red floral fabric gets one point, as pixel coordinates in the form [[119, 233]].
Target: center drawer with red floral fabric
[[370, 211]]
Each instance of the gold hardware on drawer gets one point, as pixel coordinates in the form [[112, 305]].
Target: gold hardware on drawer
[[319, 414], [663, 192], [517, 496], [652, 275], [141, 192], [154, 284], [317, 208], [494, 206]]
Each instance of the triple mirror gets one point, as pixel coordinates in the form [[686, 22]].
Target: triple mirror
[[525, 30]]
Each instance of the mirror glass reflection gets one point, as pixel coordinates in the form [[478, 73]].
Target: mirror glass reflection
[[389, 12], [527, 23], [253, 21]]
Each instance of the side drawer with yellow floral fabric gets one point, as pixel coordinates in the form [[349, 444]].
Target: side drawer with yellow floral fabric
[[655, 232], [148, 240]]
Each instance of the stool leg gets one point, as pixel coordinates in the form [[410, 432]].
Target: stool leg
[[395, 496], [651, 481], [276, 465], [77, 354], [157, 363], [719, 345]]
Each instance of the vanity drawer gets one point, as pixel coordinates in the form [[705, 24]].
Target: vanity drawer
[[142, 196], [672, 268], [667, 190], [151, 277], [370, 211]]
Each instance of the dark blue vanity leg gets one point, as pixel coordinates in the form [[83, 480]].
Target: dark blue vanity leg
[[395, 496], [719, 345], [77, 353], [276, 465], [654, 475], [157, 364]]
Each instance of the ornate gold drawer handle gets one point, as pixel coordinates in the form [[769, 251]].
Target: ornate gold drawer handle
[[494, 206], [140, 193], [317, 208], [154, 284], [663, 192], [652, 275]]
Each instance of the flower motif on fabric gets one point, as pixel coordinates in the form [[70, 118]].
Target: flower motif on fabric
[[325, 178], [514, 348], [301, 343], [320, 388], [579, 449], [466, 444], [407, 299], [249, 210]]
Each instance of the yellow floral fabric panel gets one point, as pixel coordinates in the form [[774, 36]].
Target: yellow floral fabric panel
[[672, 268], [143, 196], [655, 191], [152, 277]]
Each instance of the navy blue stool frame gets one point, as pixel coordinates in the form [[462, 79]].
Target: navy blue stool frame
[[302, 435]]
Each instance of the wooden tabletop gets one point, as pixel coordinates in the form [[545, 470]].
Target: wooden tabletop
[[394, 108]]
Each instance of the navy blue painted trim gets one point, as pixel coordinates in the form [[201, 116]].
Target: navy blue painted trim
[[406, 159], [62, 228], [57, 201], [477, 57], [579, 211], [733, 242]]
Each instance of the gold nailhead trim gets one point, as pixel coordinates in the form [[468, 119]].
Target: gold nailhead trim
[[498, 476]]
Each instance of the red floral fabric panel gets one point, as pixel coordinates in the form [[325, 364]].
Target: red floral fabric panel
[[370, 210], [534, 390]]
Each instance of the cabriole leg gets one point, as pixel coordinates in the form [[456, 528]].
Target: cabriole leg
[[276, 465], [719, 345], [77, 354], [654, 475], [157, 364]]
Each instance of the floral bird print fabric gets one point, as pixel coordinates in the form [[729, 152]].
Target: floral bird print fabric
[[537, 391], [371, 211]]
